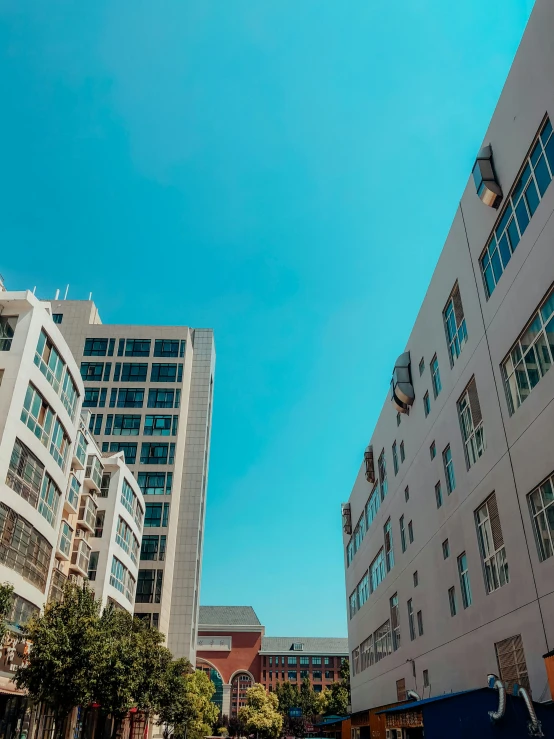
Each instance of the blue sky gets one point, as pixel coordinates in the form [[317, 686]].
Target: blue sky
[[261, 167]]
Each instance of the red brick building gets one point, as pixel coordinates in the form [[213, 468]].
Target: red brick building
[[233, 649]]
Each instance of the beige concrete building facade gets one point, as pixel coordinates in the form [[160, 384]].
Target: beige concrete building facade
[[449, 528], [149, 390]]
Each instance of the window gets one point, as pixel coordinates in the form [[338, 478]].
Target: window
[[291, 661], [49, 361], [411, 532], [124, 535], [401, 690], [402, 453], [394, 459], [291, 676], [532, 355], [24, 549], [59, 444], [316, 675], [464, 580], [402, 534], [389, 551], [395, 621], [416, 579], [121, 579], [425, 678], [69, 395], [126, 425], [438, 494], [164, 372], [449, 470], [137, 347], [7, 330], [156, 515], [363, 590], [355, 664], [398, 417], [350, 551], [99, 524], [91, 397], [155, 483], [377, 571], [382, 465], [353, 604], [166, 348], [157, 454], [127, 398], [512, 667], [491, 545], [93, 566], [452, 601], [471, 422], [128, 449], [128, 498], [426, 404], [49, 501], [360, 531], [366, 652], [95, 423], [455, 325], [519, 208], [330, 675], [145, 586], [382, 640], [316, 660], [159, 398], [541, 506], [57, 317], [411, 620], [92, 371], [95, 348], [37, 414], [372, 505], [436, 377], [304, 660], [445, 549], [433, 450], [157, 425], [133, 372], [421, 366], [25, 473], [407, 493], [420, 623]]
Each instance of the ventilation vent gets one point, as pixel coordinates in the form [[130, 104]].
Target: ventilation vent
[[402, 389], [346, 518], [486, 184], [369, 465]]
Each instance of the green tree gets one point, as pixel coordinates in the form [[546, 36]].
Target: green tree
[[288, 696], [65, 643], [6, 603], [308, 699], [260, 715], [186, 709]]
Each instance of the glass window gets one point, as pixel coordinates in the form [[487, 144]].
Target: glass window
[[433, 450], [153, 515], [161, 398], [438, 494], [49, 502], [389, 551], [382, 640], [133, 372], [155, 483], [411, 532], [382, 466], [394, 459], [128, 398], [407, 493], [92, 371], [363, 590], [452, 601], [377, 571], [491, 545], [166, 348], [421, 366], [471, 422], [416, 579], [455, 325], [137, 347], [7, 330], [154, 454], [291, 661], [93, 566], [128, 449], [464, 580], [402, 453], [157, 425], [163, 372], [435, 376], [316, 660], [402, 534], [519, 208], [126, 425], [541, 501], [49, 361], [95, 347], [59, 444], [420, 623], [445, 549], [69, 395], [99, 524], [37, 414], [91, 397], [24, 549], [426, 404], [449, 470], [395, 621], [57, 317], [411, 623], [25, 473], [373, 505], [316, 675]]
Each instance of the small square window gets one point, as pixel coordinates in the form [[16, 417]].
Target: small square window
[[57, 317], [445, 549], [421, 366], [416, 579], [426, 404], [433, 450]]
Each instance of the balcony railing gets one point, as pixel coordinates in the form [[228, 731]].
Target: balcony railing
[[94, 472], [80, 556], [64, 544], [73, 492], [80, 451], [87, 512], [57, 585]]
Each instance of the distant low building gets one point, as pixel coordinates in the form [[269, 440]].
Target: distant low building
[[233, 650]]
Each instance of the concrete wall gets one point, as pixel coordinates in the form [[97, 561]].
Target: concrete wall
[[459, 651]]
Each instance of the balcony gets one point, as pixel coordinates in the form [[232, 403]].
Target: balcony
[[80, 451], [71, 502], [63, 550], [57, 585], [78, 580], [80, 557], [87, 513], [93, 473]]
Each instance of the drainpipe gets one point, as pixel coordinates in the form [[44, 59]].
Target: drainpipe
[[534, 725], [412, 694], [495, 683]]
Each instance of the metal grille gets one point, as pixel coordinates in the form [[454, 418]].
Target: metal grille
[[511, 662]]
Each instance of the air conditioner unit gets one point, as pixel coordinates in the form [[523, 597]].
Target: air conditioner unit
[[346, 518], [369, 465]]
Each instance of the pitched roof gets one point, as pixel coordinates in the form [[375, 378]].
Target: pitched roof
[[312, 644], [227, 616]]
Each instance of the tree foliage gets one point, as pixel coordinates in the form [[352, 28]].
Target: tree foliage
[[6, 603], [260, 715], [186, 708]]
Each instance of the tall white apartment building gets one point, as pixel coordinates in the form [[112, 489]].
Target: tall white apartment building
[[149, 390]]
